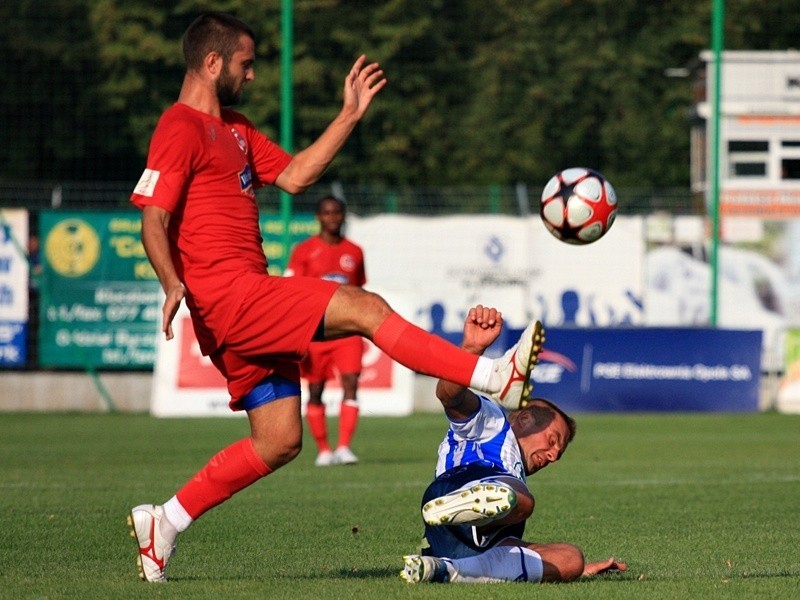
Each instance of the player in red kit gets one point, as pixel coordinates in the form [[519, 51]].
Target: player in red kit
[[329, 255], [200, 230]]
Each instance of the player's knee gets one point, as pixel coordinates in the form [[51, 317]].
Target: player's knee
[[561, 562], [278, 452], [359, 310], [572, 562], [291, 448]]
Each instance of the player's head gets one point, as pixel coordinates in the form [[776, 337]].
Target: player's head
[[543, 431], [331, 212], [231, 44], [327, 203]]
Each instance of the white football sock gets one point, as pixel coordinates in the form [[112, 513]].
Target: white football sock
[[177, 516], [481, 376], [496, 565]]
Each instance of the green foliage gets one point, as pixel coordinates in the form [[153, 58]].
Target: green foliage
[[699, 505], [480, 91]]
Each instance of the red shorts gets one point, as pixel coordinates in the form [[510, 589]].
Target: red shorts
[[271, 331], [327, 360]]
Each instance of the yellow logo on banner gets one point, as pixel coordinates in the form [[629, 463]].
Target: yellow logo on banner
[[72, 248]]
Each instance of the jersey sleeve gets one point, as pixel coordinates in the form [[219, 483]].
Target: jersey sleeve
[[483, 425], [173, 149]]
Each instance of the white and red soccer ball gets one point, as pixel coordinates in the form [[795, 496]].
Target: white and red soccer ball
[[578, 206]]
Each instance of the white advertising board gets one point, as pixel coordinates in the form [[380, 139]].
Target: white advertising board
[[186, 383]]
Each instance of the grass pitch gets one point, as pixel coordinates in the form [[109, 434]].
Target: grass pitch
[[700, 506]]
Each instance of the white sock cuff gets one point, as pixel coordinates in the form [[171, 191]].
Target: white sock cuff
[[351, 402], [177, 515], [482, 374]]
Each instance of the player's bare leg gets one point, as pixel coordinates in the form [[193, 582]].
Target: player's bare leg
[[276, 438]]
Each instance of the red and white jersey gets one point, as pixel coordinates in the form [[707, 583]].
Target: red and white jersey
[[204, 171], [342, 263]]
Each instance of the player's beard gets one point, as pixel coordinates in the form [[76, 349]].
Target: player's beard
[[228, 92]]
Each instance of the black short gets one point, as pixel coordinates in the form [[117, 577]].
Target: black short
[[458, 541]]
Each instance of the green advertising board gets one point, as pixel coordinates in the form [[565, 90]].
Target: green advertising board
[[302, 226], [100, 302]]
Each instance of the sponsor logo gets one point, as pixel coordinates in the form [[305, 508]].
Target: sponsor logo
[[335, 277], [494, 249], [72, 248], [246, 180], [239, 140], [683, 372]]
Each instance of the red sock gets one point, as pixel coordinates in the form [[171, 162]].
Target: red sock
[[315, 416], [424, 352], [229, 471], [348, 419]]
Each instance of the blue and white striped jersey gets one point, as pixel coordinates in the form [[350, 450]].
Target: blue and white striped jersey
[[485, 438]]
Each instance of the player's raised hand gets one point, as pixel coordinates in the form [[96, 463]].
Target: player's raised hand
[[361, 85], [481, 327]]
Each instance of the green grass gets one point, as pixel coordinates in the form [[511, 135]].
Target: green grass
[[700, 506]]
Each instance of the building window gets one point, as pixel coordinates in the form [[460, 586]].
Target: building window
[[747, 158], [790, 168]]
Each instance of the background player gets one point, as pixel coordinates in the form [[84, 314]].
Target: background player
[[330, 255], [475, 509]]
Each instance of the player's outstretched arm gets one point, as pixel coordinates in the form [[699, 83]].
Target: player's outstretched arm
[[156, 244], [481, 327], [362, 84], [603, 566]]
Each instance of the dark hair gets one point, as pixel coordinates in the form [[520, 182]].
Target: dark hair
[[338, 201], [544, 422], [213, 32]]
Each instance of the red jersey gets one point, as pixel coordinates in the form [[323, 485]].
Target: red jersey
[[204, 170], [342, 263]]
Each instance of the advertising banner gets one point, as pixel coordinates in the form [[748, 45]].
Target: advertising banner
[[650, 369], [99, 302], [301, 226], [99, 294], [14, 279], [445, 265], [186, 383]]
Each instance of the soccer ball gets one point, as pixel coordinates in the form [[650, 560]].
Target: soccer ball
[[578, 206]]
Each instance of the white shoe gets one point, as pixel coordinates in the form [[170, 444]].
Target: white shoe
[[419, 569], [477, 504], [154, 549], [515, 366], [344, 456], [324, 459]]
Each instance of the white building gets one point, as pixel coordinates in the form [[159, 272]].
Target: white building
[[759, 132]]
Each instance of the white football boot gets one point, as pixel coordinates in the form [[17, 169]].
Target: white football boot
[[515, 366], [422, 569], [324, 459], [344, 456], [476, 504], [154, 548]]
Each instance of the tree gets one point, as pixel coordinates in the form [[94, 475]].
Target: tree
[[480, 91]]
